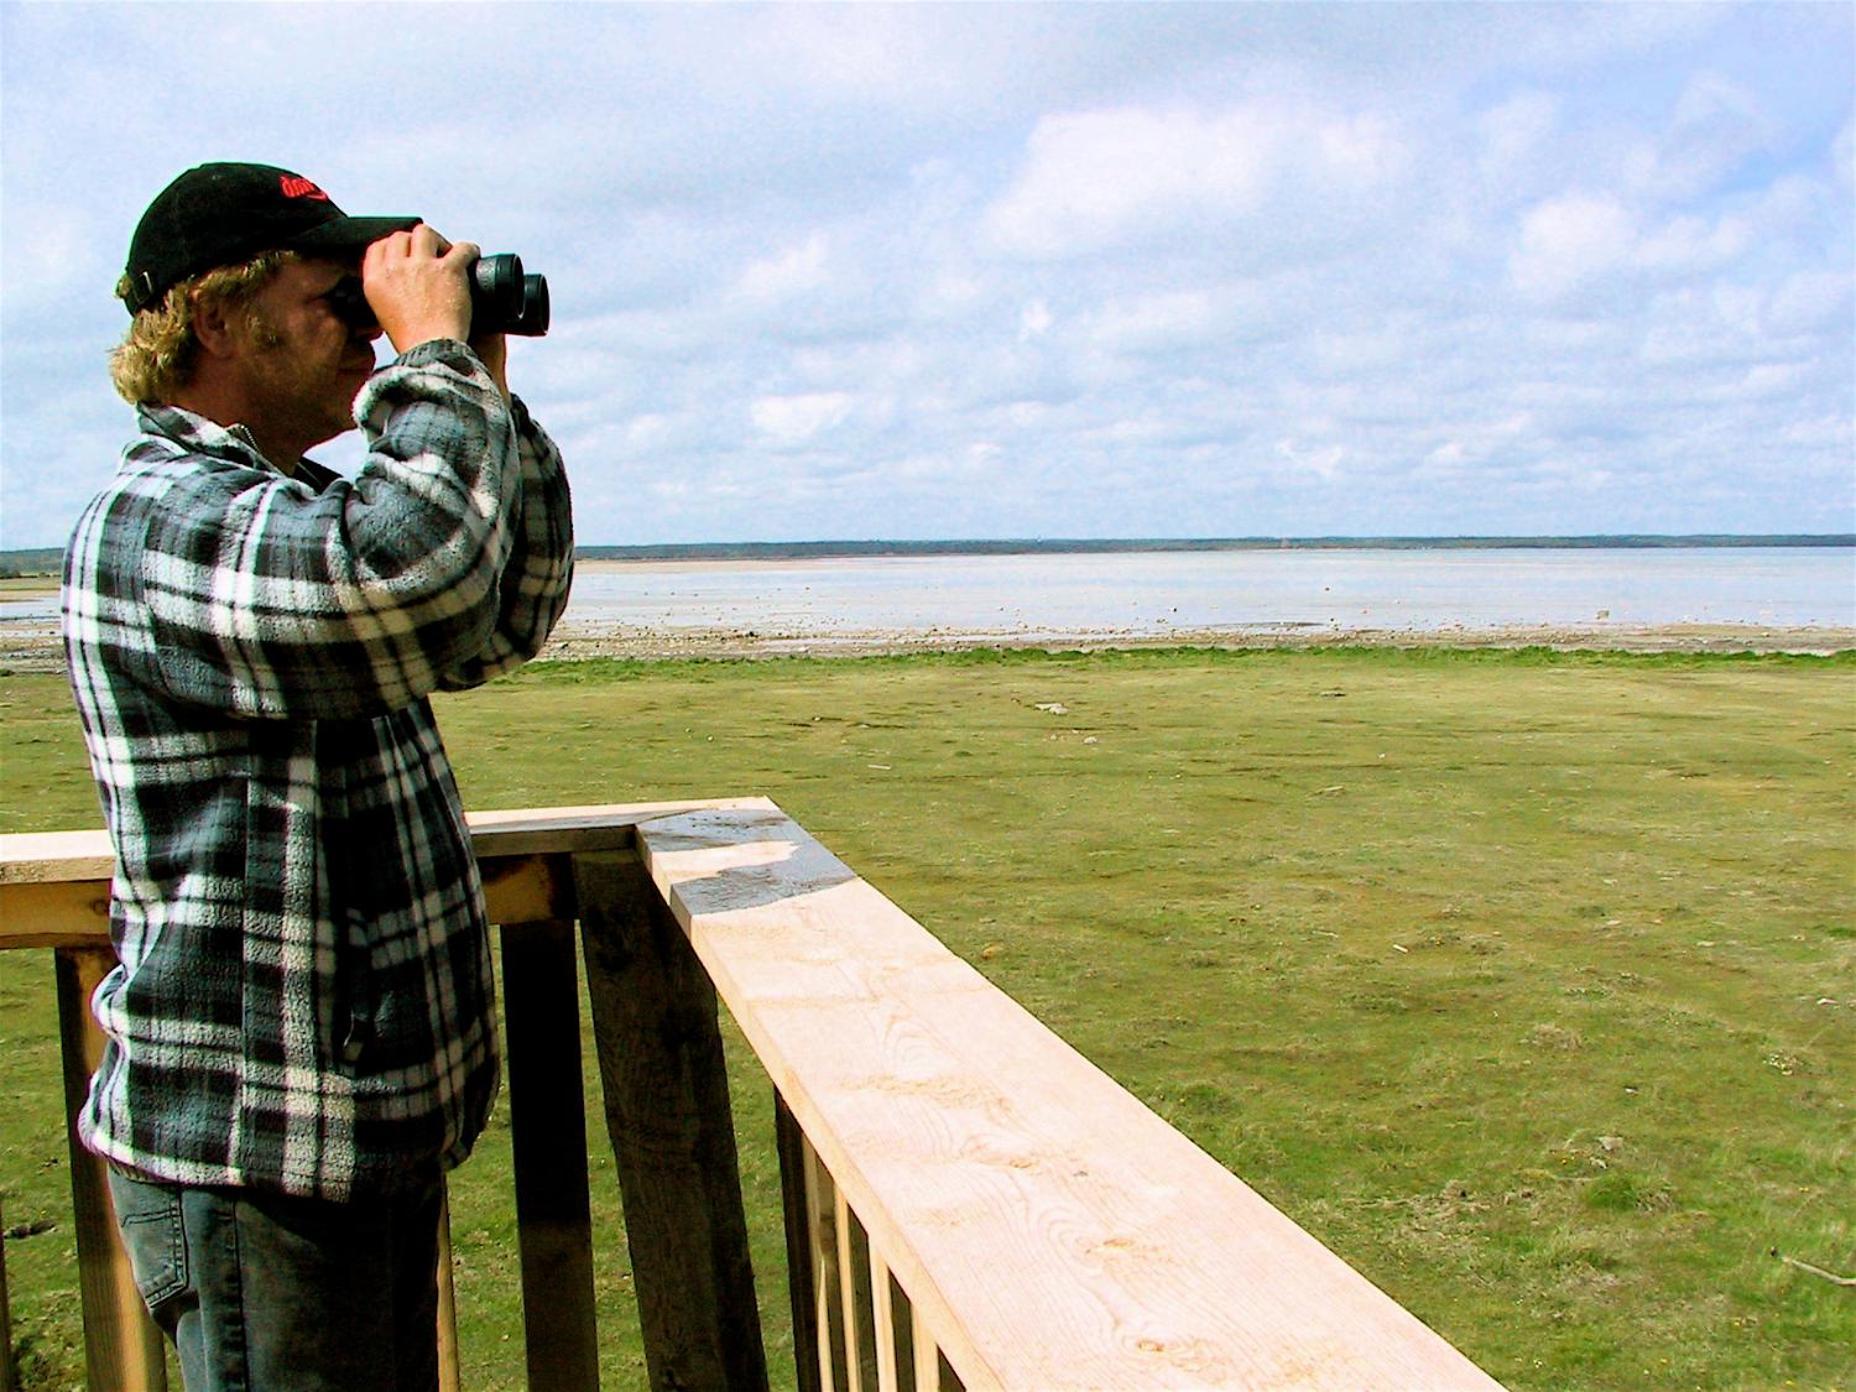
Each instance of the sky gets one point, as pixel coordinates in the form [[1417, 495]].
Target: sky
[[977, 271]]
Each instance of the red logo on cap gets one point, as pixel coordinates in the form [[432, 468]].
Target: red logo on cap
[[295, 186]]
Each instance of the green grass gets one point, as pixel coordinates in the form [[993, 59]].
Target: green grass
[[1526, 981]]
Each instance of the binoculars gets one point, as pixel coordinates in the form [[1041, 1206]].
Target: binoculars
[[502, 299]]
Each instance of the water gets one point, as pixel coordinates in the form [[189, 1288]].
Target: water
[[1149, 593], [1152, 593]]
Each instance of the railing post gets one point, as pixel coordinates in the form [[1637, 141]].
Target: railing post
[[447, 1301], [124, 1350], [666, 1098], [547, 1116]]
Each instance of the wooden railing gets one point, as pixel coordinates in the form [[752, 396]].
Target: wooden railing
[[969, 1203]]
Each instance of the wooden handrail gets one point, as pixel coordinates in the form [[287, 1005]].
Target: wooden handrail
[[1048, 1229], [970, 1204], [54, 885]]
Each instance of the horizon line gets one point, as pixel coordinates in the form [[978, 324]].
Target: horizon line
[[1259, 541]]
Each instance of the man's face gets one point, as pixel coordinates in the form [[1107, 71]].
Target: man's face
[[300, 365]]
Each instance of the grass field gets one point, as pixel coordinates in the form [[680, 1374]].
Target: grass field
[[1525, 981]]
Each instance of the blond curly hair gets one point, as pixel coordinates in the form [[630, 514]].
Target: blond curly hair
[[155, 360]]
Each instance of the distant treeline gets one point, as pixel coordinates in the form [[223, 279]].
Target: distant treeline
[[803, 550], [42, 560], [46, 560]]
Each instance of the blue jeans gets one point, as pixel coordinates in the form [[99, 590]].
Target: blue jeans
[[261, 1292]]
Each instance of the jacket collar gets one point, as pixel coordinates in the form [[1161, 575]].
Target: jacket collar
[[232, 443]]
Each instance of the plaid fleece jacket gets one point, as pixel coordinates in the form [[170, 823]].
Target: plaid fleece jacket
[[304, 999]]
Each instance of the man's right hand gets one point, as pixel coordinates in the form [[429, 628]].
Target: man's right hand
[[418, 285]]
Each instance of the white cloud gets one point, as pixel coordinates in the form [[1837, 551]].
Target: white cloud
[[951, 293], [793, 420], [1828, 432], [1762, 381], [813, 264], [1513, 133], [1690, 244], [1323, 461], [1095, 179], [793, 272], [55, 256], [1159, 322], [1569, 240], [1099, 181], [1358, 151], [1812, 301]]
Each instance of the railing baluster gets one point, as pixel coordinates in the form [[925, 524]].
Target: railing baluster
[[902, 1330], [827, 1304], [861, 1331], [547, 1115], [666, 1093], [801, 1273], [927, 1357], [123, 1348], [883, 1323], [849, 1290]]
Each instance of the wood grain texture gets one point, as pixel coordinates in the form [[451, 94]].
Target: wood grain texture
[[528, 889], [57, 913], [932, 1373], [55, 885], [124, 1351], [447, 1301], [38, 856], [26, 857], [1049, 1230], [927, 1358], [667, 1111]]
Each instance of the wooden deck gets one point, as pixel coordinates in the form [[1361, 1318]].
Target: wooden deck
[[969, 1202]]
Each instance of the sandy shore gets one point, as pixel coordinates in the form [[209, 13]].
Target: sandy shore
[[571, 643], [34, 647], [24, 649]]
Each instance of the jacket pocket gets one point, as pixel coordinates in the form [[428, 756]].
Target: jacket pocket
[[354, 1015]]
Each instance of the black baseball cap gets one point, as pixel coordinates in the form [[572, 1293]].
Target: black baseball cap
[[223, 214]]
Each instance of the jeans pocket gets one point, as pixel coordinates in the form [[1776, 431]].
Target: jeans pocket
[[154, 1235]]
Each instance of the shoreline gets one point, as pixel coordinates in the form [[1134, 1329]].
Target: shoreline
[[37, 648], [617, 641]]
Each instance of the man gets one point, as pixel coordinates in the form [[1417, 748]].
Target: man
[[300, 1033]]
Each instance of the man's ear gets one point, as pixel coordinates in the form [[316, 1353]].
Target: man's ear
[[215, 329]]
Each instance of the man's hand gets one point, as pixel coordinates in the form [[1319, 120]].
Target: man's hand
[[418, 285]]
